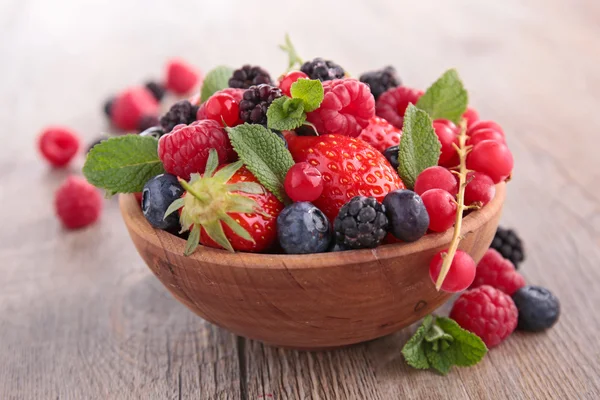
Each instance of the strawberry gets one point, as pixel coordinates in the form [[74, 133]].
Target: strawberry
[[381, 134], [349, 166], [227, 209]]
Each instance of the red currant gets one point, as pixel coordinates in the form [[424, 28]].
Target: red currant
[[303, 182], [223, 108], [484, 125], [485, 134], [460, 275], [471, 115], [480, 189], [441, 207], [492, 158], [447, 134], [436, 178], [285, 83]]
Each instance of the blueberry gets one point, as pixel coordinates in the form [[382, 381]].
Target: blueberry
[[303, 229], [158, 194], [538, 308], [408, 216], [337, 247], [280, 136], [391, 153], [154, 131]]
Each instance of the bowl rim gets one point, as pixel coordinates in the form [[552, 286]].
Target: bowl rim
[[137, 223]]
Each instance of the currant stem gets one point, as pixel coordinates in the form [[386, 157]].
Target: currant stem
[[462, 151]]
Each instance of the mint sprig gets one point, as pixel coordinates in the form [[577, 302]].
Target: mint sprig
[[440, 343], [286, 113], [216, 79], [310, 91], [419, 145], [123, 164], [294, 59], [446, 98], [264, 154]]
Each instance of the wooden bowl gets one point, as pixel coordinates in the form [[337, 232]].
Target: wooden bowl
[[307, 301]]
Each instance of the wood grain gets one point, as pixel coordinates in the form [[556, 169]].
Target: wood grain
[[81, 317]]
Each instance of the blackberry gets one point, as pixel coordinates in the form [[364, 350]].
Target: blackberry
[[538, 308], [381, 80], [248, 76], [303, 229], [158, 90], [256, 101], [508, 243], [323, 70], [182, 112], [361, 223], [108, 106], [147, 122]]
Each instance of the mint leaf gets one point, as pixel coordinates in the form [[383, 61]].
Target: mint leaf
[[310, 91], [414, 350], [264, 154], [293, 57], [467, 348], [419, 145], [439, 360], [123, 164], [446, 98], [216, 79], [286, 114]]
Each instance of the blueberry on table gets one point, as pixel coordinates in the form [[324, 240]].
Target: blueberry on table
[[538, 308], [407, 214], [303, 229], [157, 195]]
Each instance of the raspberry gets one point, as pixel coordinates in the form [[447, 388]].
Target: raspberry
[[436, 178], [461, 272], [487, 312], [498, 272], [492, 158], [185, 150], [361, 223], [181, 77], [147, 122], [58, 145], [286, 81], [77, 203], [381, 134], [447, 134], [248, 76], [509, 244], [323, 70], [480, 189], [441, 207], [381, 80], [392, 104], [347, 107], [182, 112], [130, 106], [256, 101], [303, 182]]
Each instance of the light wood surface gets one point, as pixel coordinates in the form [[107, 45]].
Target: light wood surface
[[81, 317]]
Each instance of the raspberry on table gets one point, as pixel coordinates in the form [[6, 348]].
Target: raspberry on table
[[487, 312], [381, 80], [538, 308], [508, 243], [323, 70], [182, 112], [77, 203], [392, 104], [249, 75], [158, 90], [346, 109], [498, 272], [361, 223], [181, 77], [381, 134], [130, 106], [58, 145], [256, 101]]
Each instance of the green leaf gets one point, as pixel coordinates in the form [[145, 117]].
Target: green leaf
[[286, 114], [294, 59], [192, 241], [414, 350], [310, 91], [123, 164], [264, 154], [467, 348], [216, 79], [174, 206], [446, 98], [439, 360], [419, 145]]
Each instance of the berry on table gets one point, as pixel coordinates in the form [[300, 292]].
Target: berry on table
[[478, 125], [461, 272], [391, 154], [436, 177], [487, 312], [485, 134], [510, 245], [77, 203], [147, 122], [303, 182], [381, 134], [361, 223], [223, 108], [286, 81], [447, 134], [381, 80], [480, 189], [538, 308], [323, 70], [158, 194], [130, 106], [491, 158], [497, 272], [248, 75], [158, 90], [107, 108], [182, 112], [256, 101], [392, 104], [186, 149], [441, 207], [303, 229], [58, 145], [407, 215], [181, 77], [346, 109]]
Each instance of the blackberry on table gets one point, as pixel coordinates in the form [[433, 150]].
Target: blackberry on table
[[157, 90], [256, 101], [323, 70], [361, 223], [108, 106], [381, 80], [507, 242], [182, 112], [248, 76]]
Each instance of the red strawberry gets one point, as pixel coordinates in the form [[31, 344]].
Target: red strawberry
[[349, 166], [381, 134], [392, 104], [131, 105]]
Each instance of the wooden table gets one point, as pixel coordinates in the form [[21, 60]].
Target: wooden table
[[81, 317]]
